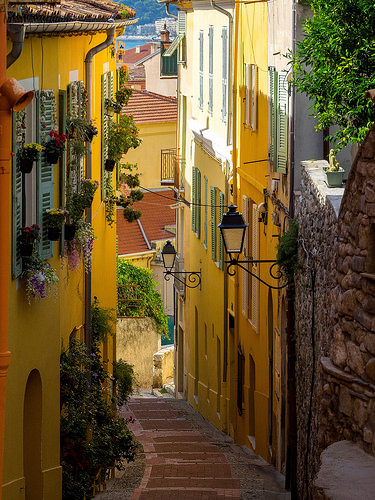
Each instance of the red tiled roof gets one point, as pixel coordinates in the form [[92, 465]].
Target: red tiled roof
[[69, 10], [156, 215], [131, 56], [148, 107]]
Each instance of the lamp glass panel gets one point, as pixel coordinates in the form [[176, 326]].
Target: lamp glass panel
[[233, 239], [168, 259]]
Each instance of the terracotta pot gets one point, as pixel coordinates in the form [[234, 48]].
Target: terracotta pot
[[109, 165], [69, 231], [26, 166], [52, 157], [54, 233]]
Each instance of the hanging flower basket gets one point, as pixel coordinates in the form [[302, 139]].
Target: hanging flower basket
[[52, 157], [69, 232], [54, 233], [26, 240], [26, 249], [109, 165], [26, 165]]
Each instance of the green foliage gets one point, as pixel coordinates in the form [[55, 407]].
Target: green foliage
[[102, 321], [92, 435], [335, 66], [123, 373], [122, 135], [287, 251], [148, 10], [151, 304]]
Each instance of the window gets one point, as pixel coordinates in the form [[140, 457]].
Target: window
[[251, 96], [196, 201], [168, 65], [179, 41], [201, 47], [211, 69], [107, 92], [214, 223], [279, 105], [205, 210], [224, 77]]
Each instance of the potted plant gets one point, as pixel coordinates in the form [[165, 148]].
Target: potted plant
[[91, 131], [121, 136], [111, 106], [29, 235], [55, 218], [334, 173], [88, 190], [123, 95], [41, 279], [26, 156], [69, 231], [54, 146]]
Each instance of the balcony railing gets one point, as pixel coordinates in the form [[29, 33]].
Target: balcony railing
[[168, 157], [179, 174], [128, 298]]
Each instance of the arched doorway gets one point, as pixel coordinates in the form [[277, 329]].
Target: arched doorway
[[32, 437]]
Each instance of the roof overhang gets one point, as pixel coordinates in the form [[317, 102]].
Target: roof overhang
[[73, 26], [210, 141]]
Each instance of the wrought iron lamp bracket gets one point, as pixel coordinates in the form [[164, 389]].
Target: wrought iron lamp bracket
[[275, 272], [192, 279]]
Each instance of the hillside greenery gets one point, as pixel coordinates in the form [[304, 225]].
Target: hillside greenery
[[148, 11]]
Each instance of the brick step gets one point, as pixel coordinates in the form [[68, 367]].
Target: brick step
[[194, 470], [191, 458], [199, 482], [178, 494]]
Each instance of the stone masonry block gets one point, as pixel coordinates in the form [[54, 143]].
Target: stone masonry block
[[355, 360], [370, 209], [370, 368], [358, 264], [370, 343], [345, 401], [370, 195], [365, 319]]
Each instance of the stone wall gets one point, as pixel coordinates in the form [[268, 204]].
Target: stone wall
[[163, 366], [317, 209], [136, 342]]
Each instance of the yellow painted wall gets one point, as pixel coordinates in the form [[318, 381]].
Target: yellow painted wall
[[155, 137], [38, 331]]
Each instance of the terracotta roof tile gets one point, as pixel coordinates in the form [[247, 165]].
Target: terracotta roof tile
[[156, 215], [148, 107], [131, 56], [69, 10]]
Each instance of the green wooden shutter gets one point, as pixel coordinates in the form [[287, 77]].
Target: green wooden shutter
[[194, 200], [211, 69], [213, 223], [198, 211], [282, 122], [182, 34], [221, 243], [62, 130], [104, 133], [224, 86], [201, 41], [16, 204], [44, 172], [272, 116], [205, 209]]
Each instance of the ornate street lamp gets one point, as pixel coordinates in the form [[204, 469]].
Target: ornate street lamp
[[233, 229], [191, 279]]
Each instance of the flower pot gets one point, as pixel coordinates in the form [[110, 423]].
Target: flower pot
[[54, 233], [334, 178], [109, 165], [89, 136], [26, 248], [52, 157], [110, 111], [26, 166], [69, 232]]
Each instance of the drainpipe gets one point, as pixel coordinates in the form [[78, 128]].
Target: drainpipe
[[88, 67], [168, 13], [17, 34]]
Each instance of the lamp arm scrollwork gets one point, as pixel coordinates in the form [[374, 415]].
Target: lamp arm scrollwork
[[274, 271], [192, 278]]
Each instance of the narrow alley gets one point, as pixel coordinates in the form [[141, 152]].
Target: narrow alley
[[187, 458]]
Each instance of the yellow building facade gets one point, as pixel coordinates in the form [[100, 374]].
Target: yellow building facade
[[52, 64]]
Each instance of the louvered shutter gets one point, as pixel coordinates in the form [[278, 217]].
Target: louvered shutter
[[16, 203], [182, 34], [201, 47], [62, 129], [104, 133], [205, 209], [44, 172], [221, 242], [272, 116], [194, 200], [245, 274], [282, 122], [198, 208], [255, 267], [224, 86], [247, 94], [213, 222], [253, 96], [210, 69]]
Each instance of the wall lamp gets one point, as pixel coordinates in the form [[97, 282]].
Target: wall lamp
[[233, 229], [191, 279]]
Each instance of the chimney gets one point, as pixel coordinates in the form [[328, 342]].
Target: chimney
[[138, 49], [164, 34]]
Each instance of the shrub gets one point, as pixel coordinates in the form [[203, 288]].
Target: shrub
[[123, 373]]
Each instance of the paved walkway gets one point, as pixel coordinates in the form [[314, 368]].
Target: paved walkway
[[186, 458]]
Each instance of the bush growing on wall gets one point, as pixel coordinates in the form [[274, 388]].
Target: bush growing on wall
[[150, 304]]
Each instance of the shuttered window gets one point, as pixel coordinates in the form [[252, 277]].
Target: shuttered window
[[205, 209], [251, 95], [107, 92], [214, 223], [201, 47], [17, 138], [245, 275], [211, 69], [255, 267], [182, 35], [62, 130], [194, 200], [198, 208], [224, 77], [221, 242], [279, 107]]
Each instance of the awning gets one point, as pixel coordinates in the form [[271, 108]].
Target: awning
[[173, 46]]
